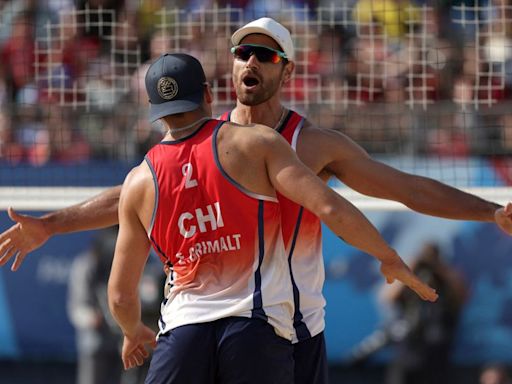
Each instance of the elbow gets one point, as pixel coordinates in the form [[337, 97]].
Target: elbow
[[119, 299]]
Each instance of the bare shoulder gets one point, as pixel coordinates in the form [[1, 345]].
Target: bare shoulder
[[137, 183], [313, 133], [319, 148], [138, 194], [312, 136]]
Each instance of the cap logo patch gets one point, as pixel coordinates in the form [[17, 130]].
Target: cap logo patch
[[167, 88]]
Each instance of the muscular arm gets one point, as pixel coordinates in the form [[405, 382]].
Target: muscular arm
[[30, 233], [132, 249], [131, 253], [344, 159], [97, 212], [292, 179]]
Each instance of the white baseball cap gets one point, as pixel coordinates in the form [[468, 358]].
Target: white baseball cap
[[271, 28]]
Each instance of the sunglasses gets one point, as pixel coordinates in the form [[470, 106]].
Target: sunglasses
[[263, 54]]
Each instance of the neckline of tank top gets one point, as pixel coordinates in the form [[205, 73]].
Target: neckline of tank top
[[187, 127], [281, 119]]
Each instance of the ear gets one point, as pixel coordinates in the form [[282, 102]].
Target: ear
[[288, 71], [208, 94]]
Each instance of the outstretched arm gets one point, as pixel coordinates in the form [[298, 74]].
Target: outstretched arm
[[292, 179], [29, 232], [341, 157]]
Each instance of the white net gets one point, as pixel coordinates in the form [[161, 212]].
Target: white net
[[108, 76], [51, 198], [424, 88]]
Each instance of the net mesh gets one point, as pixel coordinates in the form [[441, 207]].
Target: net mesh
[[424, 88]]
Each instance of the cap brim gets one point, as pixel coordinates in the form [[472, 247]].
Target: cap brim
[[157, 111]]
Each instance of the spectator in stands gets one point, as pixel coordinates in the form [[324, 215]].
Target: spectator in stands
[[18, 56], [395, 16], [10, 151], [67, 144], [31, 134], [103, 14], [396, 57], [69, 58]]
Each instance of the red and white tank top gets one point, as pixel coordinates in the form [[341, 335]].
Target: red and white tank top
[[223, 243], [302, 234]]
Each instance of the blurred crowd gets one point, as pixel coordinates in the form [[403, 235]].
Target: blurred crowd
[[398, 76]]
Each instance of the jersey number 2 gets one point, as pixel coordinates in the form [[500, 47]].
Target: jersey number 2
[[187, 171]]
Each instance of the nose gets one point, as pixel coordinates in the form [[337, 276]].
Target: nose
[[253, 61]]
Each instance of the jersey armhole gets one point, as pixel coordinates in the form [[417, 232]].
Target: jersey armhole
[[155, 183], [296, 134]]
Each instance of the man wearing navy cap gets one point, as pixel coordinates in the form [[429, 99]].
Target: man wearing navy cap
[[166, 97], [227, 317]]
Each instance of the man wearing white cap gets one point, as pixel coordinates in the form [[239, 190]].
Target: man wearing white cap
[[264, 62]]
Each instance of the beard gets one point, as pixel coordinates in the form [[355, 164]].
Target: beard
[[263, 93]]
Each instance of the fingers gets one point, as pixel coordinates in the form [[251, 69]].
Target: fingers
[[143, 352], [423, 290], [404, 274], [135, 358], [129, 362], [432, 295], [18, 261], [9, 252]]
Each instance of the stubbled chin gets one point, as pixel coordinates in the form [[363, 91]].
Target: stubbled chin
[[247, 98], [248, 95]]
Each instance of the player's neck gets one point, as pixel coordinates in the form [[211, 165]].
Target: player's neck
[[268, 114], [178, 128]]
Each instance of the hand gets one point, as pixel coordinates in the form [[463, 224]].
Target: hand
[[397, 269], [503, 217], [134, 346], [28, 234]]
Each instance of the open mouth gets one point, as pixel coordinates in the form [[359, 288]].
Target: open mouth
[[250, 81]]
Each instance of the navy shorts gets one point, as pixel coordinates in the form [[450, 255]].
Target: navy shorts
[[311, 361], [227, 351]]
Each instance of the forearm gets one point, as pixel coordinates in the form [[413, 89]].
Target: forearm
[[98, 212], [354, 228], [437, 199], [126, 311]]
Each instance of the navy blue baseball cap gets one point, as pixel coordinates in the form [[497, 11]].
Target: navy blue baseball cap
[[175, 84]]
